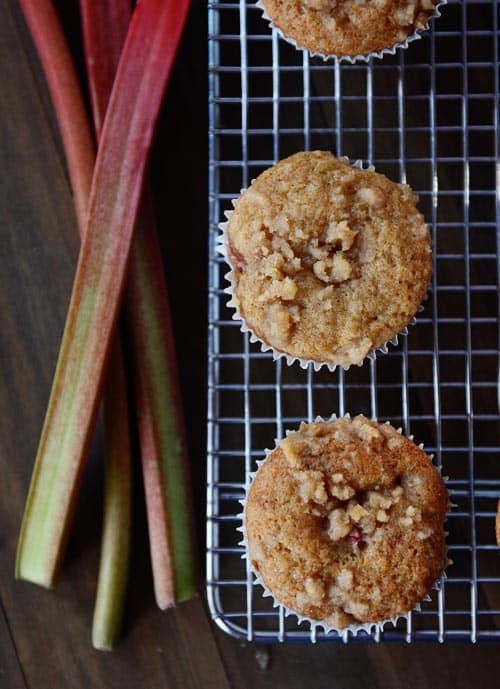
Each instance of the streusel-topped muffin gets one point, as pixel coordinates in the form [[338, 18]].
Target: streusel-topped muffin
[[349, 28], [344, 522], [329, 261]]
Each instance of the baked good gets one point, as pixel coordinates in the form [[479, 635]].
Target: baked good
[[349, 28], [329, 262], [344, 522]]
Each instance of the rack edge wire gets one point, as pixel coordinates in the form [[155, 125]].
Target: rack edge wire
[[224, 620]]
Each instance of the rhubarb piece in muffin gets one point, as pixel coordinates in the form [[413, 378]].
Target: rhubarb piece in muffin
[[349, 28], [329, 262], [344, 522]]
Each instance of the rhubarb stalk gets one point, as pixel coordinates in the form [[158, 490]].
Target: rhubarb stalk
[[78, 146], [66, 96], [159, 407], [108, 22], [161, 428], [115, 545], [104, 27], [137, 94]]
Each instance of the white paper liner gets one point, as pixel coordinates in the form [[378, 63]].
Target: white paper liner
[[222, 247], [356, 58], [316, 625]]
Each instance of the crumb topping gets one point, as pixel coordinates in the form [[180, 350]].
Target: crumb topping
[[328, 261], [345, 520], [349, 27]]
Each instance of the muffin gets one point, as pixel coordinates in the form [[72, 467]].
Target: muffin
[[328, 262], [344, 523], [349, 28]]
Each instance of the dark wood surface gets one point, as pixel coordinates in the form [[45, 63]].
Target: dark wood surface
[[45, 635]]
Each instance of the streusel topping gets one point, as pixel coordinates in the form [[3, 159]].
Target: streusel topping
[[344, 522], [349, 27], [328, 261]]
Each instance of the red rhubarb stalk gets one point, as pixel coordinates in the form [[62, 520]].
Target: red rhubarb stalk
[[66, 95], [104, 26], [138, 90], [106, 23], [159, 407]]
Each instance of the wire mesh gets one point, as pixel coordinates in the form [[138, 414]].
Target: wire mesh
[[427, 116]]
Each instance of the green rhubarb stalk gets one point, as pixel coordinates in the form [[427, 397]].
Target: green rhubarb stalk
[[161, 427], [115, 546], [79, 149], [143, 72], [159, 406]]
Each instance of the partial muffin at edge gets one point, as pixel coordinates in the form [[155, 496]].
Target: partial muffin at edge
[[348, 28]]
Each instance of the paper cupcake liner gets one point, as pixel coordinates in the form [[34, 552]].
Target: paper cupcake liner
[[356, 58], [222, 247], [316, 625]]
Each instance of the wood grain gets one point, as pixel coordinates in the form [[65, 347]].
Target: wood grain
[[45, 636], [48, 633]]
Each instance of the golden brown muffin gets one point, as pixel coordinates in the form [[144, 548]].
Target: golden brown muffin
[[348, 28], [329, 262], [344, 522]]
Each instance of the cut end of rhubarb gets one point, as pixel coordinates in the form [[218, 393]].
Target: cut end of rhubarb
[[31, 564], [185, 592], [104, 635], [165, 605], [102, 644], [32, 575], [188, 593], [101, 648]]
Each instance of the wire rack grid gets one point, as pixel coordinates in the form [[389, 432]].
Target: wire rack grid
[[427, 116]]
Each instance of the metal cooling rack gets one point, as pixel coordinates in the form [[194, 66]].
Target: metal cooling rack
[[427, 116]]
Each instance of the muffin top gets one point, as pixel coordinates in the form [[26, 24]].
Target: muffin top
[[328, 261], [344, 522], [347, 28]]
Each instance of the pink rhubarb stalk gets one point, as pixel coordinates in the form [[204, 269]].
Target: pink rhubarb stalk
[[159, 406], [141, 79], [77, 141], [78, 145], [107, 23]]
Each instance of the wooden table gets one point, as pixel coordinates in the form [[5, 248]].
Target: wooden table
[[45, 636]]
